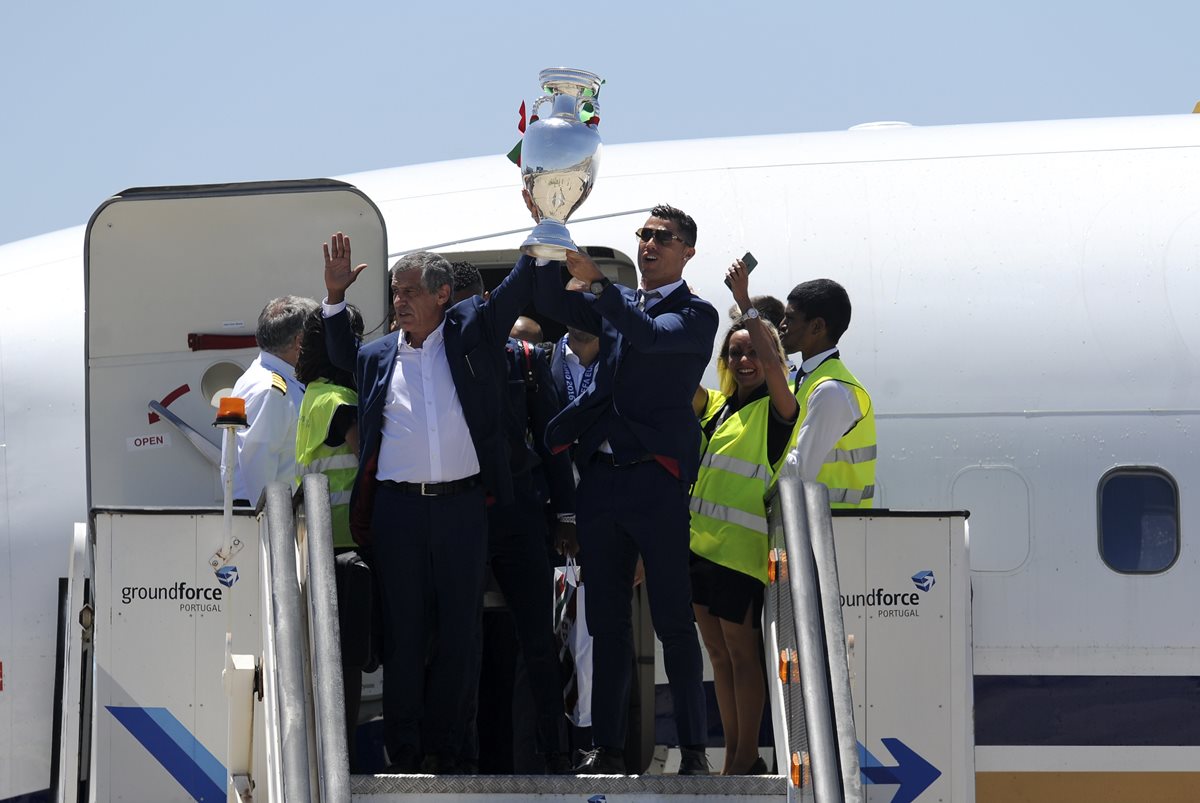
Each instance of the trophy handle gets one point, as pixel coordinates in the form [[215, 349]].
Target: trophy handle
[[537, 104], [582, 101]]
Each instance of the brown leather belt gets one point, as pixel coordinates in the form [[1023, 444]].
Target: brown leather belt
[[433, 488]]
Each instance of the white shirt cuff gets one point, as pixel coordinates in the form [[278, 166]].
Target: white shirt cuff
[[329, 310]]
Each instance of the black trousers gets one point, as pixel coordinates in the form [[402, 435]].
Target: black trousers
[[623, 512], [430, 554]]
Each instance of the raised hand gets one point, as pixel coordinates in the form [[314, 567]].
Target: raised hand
[[582, 267], [533, 212], [338, 273], [738, 279]]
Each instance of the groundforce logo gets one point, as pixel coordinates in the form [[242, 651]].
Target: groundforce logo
[[190, 598], [892, 605]]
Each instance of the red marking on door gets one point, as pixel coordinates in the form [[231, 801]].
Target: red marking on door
[[170, 397]]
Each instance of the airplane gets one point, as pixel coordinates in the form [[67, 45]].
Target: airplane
[[1023, 317]]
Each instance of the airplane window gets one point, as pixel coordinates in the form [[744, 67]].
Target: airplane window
[[1139, 520]]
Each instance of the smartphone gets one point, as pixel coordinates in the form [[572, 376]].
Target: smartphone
[[750, 262]]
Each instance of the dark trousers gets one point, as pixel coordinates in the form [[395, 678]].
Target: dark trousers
[[430, 554], [517, 552], [623, 512]]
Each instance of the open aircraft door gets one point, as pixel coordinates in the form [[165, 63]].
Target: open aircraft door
[[175, 279]]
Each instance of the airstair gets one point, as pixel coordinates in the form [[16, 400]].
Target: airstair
[[199, 648], [305, 748]]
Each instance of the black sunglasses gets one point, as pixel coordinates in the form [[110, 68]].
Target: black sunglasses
[[661, 236]]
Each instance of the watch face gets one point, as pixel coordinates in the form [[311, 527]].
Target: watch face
[[597, 287]]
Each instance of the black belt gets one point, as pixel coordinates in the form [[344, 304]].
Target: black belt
[[609, 459], [433, 488]]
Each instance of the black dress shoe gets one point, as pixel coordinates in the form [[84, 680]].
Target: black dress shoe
[[759, 767], [602, 761], [558, 764], [692, 762], [405, 762], [440, 765]]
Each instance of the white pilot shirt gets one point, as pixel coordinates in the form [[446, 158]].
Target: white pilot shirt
[[266, 449], [832, 410]]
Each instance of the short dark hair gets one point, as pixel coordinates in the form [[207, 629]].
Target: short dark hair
[[280, 321], [314, 362], [823, 298], [466, 277], [687, 226]]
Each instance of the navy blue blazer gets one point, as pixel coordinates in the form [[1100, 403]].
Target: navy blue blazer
[[475, 334], [650, 366]]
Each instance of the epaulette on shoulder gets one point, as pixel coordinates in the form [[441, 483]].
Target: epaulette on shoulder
[[279, 383]]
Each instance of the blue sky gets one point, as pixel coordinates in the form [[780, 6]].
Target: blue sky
[[103, 96]]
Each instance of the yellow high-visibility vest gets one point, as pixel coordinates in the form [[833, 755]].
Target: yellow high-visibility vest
[[729, 518], [848, 470], [338, 463]]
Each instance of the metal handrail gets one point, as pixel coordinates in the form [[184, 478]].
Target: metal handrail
[[284, 670], [814, 712], [333, 762]]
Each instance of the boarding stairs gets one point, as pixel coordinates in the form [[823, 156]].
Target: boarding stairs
[[306, 756]]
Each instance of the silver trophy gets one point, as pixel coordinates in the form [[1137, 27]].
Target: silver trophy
[[560, 155]]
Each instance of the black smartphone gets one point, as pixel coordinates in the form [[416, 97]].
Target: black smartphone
[[750, 262]]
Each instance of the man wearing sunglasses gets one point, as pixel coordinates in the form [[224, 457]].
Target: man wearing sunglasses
[[637, 452]]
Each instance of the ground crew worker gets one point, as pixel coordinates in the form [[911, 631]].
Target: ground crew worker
[[835, 444], [749, 426]]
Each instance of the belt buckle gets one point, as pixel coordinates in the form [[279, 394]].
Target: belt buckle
[[423, 489]]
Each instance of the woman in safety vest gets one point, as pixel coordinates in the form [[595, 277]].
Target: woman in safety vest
[[748, 426]]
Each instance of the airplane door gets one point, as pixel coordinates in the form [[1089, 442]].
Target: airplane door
[[175, 279]]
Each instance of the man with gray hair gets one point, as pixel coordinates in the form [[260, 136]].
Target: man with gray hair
[[266, 449], [432, 446]]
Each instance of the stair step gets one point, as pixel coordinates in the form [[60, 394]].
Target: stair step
[[575, 788]]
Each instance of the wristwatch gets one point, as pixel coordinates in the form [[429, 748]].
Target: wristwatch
[[751, 313], [597, 287]]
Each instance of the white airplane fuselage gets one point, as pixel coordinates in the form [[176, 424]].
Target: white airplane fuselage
[[1024, 317]]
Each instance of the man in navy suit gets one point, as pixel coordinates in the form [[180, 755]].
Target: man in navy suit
[[432, 445], [638, 450]]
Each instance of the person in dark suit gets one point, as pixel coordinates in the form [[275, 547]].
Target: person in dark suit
[[432, 445], [517, 552], [637, 450]]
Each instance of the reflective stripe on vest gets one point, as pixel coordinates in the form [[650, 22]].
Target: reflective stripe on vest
[[849, 469], [729, 522], [338, 463]]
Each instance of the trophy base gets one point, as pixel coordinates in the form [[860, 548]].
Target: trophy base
[[548, 240]]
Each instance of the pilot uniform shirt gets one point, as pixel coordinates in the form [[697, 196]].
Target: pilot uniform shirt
[[832, 411], [266, 449]]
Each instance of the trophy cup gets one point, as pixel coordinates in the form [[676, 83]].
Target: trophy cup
[[559, 157]]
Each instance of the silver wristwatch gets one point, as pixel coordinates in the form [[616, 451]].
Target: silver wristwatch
[[751, 313]]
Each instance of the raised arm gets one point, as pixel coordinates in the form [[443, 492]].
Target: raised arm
[[686, 331], [340, 341], [565, 306], [782, 397]]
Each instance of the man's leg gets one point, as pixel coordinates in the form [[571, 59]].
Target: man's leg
[[400, 525], [458, 556], [658, 520], [608, 557], [523, 572]]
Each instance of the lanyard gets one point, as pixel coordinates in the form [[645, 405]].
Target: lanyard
[[584, 381]]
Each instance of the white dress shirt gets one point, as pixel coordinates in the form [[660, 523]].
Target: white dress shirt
[[266, 449], [832, 410], [425, 434]]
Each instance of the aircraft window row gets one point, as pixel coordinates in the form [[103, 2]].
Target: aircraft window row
[[1138, 519]]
